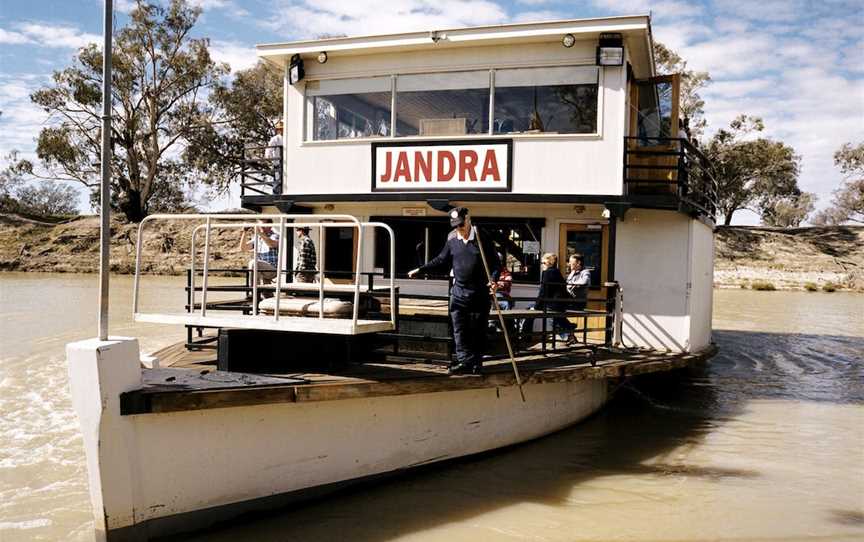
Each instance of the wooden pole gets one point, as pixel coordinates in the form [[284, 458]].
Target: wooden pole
[[500, 316]]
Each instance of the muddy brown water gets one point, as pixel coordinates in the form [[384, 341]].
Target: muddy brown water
[[764, 443]]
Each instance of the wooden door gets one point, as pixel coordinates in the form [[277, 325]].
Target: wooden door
[[592, 242]]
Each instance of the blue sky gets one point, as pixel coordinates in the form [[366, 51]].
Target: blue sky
[[798, 64]]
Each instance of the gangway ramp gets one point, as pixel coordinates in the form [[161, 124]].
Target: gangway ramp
[[315, 316]]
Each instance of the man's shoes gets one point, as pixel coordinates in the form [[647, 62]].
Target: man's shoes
[[465, 368]]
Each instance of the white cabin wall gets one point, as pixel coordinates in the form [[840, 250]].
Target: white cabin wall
[[651, 265], [702, 284], [547, 164]]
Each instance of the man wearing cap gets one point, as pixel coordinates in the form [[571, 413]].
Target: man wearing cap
[[273, 152], [470, 296]]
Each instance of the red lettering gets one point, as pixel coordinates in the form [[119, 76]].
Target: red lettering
[[467, 163], [403, 170], [423, 165], [490, 166], [387, 171], [444, 176]]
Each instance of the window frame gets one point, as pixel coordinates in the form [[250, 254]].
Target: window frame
[[597, 134]]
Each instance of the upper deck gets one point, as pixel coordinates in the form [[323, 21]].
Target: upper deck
[[507, 108]]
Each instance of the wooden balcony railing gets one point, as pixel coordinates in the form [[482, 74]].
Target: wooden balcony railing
[[670, 166]]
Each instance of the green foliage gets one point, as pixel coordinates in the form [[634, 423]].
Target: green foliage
[[789, 211], [848, 202], [751, 173], [690, 103], [48, 199], [244, 113], [811, 287], [42, 199], [160, 80], [829, 287], [763, 285]]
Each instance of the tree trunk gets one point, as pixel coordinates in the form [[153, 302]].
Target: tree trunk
[[133, 207], [727, 218]]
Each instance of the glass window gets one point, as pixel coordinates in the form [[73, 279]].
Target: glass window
[[418, 240], [546, 100], [348, 108], [442, 104]]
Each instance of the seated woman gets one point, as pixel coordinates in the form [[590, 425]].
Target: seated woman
[[552, 288], [578, 281]]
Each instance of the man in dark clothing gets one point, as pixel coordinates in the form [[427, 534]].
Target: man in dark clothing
[[470, 298]]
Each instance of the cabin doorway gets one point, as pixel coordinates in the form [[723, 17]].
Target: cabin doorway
[[592, 242], [653, 147], [339, 255]]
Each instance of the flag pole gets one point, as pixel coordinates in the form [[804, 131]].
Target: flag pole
[[105, 191]]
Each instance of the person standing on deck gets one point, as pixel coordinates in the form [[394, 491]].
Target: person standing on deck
[[273, 153], [307, 260], [470, 299]]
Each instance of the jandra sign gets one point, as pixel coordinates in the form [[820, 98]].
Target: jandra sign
[[478, 165]]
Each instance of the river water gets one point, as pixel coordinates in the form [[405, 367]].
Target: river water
[[766, 442]]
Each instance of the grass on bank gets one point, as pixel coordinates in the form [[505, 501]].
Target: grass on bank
[[763, 285]]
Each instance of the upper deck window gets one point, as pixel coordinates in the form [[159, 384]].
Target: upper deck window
[[349, 108], [546, 100], [549, 100], [442, 104]]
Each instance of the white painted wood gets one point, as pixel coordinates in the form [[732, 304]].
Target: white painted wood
[[334, 326], [99, 371], [701, 284]]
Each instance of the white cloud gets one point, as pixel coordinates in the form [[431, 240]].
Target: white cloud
[[229, 6], [308, 18], [48, 35], [13, 37], [674, 9], [237, 55], [534, 16]]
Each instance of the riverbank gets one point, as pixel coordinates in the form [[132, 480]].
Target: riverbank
[[817, 258]]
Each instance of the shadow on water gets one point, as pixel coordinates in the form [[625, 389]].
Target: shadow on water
[[636, 434]]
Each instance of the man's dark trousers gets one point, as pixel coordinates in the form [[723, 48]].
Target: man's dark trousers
[[470, 321]]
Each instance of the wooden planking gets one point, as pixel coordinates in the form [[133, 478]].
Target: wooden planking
[[382, 380]]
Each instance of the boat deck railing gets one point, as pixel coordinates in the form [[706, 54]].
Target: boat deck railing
[[256, 320]]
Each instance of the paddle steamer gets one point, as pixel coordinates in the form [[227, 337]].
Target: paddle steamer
[[559, 136]]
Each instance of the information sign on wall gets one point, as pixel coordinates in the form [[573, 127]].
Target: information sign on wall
[[442, 166]]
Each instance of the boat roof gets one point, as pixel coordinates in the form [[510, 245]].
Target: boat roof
[[636, 30]]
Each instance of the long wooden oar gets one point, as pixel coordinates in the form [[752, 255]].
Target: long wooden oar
[[500, 316]]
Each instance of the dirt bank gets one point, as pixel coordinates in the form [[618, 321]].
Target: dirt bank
[[790, 259], [73, 246], [787, 259]]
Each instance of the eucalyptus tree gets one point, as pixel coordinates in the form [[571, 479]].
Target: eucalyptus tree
[[847, 204], [161, 80], [751, 172]]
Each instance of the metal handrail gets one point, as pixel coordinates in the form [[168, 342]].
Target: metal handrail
[[299, 221]]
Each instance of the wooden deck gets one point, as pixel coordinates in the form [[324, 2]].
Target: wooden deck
[[190, 381]]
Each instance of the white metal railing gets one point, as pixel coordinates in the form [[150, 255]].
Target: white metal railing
[[228, 221]]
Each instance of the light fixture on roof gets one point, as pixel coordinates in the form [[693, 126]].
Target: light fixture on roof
[[610, 51], [568, 40], [295, 70], [322, 57]]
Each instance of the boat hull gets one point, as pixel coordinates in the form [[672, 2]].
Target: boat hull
[[163, 473]]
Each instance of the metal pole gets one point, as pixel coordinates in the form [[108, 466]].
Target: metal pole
[[105, 194], [279, 255], [206, 268], [500, 316]]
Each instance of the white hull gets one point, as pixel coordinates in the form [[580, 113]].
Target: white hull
[[161, 472]]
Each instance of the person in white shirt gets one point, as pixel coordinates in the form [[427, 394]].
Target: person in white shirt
[[578, 281], [266, 243], [272, 153]]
